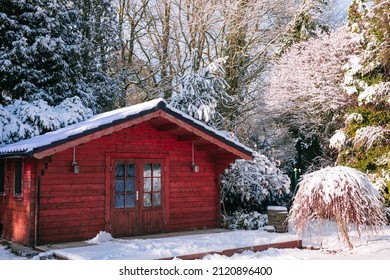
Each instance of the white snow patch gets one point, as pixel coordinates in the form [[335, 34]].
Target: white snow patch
[[170, 247], [277, 208], [337, 141], [354, 117], [368, 248], [101, 237]]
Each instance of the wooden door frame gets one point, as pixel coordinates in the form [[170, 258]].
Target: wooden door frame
[[164, 157]]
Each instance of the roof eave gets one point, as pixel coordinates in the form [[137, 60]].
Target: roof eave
[[37, 152], [246, 151], [93, 130]]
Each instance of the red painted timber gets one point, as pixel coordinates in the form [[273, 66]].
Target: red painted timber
[[68, 200], [231, 252]]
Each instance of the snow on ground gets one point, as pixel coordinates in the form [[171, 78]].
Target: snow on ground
[[103, 247], [168, 247], [6, 254]]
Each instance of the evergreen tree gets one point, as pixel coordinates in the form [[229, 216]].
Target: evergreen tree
[[41, 56], [38, 51], [366, 144], [201, 93], [305, 24], [99, 41]]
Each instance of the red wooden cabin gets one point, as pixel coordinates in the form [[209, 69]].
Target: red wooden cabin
[[138, 170]]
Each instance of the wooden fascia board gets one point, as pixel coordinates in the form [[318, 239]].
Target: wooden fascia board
[[205, 136], [94, 135]]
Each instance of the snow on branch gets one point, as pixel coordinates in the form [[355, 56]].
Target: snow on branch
[[370, 135], [252, 185], [375, 93], [202, 92], [21, 120], [337, 141]]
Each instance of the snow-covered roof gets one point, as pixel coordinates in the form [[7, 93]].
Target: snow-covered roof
[[108, 119]]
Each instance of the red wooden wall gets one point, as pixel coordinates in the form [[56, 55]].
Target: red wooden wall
[[16, 211], [72, 206]]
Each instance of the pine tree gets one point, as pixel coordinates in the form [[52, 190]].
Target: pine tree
[[201, 93], [38, 51], [305, 24], [41, 56], [99, 42], [367, 126]]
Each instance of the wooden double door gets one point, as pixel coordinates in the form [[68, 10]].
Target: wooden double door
[[137, 198]]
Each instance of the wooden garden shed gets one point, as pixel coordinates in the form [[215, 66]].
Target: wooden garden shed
[[141, 169]]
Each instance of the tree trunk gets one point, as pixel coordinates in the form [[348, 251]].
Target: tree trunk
[[341, 225]]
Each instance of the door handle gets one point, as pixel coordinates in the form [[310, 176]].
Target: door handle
[[137, 195]]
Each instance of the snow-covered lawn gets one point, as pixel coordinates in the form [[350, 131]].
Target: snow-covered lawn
[[368, 248], [148, 249]]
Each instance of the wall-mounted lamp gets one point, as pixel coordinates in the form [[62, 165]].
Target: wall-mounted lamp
[[195, 167], [76, 167]]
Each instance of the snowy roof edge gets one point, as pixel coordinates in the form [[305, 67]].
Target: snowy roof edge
[[105, 120]]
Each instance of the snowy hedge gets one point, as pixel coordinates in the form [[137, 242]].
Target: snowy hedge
[[248, 221], [252, 185]]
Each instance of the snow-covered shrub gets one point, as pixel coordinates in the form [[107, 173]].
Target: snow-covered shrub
[[370, 135], [201, 94], [252, 185], [73, 111], [38, 114], [337, 141], [342, 194], [248, 221], [375, 94], [354, 118]]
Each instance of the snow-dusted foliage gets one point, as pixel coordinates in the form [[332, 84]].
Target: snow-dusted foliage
[[12, 129], [375, 94], [342, 194], [337, 141], [42, 56], [248, 221], [22, 120], [305, 24], [202, 92], [305, 98], [367, 74], [353, 118], [368, 136], [252, 185]]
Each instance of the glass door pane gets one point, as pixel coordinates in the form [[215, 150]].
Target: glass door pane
[[152, 185], [125, 188]]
